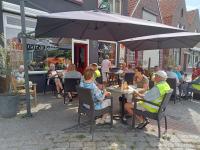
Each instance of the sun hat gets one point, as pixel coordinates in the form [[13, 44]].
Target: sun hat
[[162, 74]]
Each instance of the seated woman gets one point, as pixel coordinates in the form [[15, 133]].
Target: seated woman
[[53, 76], [140, 80], [98, 95]]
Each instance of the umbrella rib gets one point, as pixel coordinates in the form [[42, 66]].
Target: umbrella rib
[[109, 30], [82, 33], [56, 27], [135, 47]]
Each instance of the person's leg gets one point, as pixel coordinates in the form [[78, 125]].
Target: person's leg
[[129, 108], [57, 86]]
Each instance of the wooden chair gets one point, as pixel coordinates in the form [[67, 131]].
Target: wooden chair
[[155, 116], [86, 106], [70, 86], [20, 89]]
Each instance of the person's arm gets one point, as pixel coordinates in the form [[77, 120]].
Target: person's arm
[[152, 94], [98, 93], [196, 81]]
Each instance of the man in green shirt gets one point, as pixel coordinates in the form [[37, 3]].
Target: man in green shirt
[[97, 73]]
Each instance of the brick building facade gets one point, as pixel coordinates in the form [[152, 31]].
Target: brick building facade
[[148, 10]]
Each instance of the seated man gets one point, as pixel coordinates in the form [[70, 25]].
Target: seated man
[[155, 95], [19, 76], [97, 73], [193, 86]]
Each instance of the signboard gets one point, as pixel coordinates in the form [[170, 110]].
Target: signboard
[[39, 47]]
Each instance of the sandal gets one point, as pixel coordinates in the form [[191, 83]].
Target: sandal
[[143, 124]]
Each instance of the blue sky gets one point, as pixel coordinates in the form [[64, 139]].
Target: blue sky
[[192, 4]]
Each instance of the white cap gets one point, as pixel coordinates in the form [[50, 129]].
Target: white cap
[[162, 74]]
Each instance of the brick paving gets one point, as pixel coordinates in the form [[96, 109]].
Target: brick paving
[[53, 127]]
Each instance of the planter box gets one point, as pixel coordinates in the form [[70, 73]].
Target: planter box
[[8, 106]]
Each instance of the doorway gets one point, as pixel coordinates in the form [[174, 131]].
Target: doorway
[[80, 56]]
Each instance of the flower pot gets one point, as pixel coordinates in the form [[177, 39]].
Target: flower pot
[[8, 105]]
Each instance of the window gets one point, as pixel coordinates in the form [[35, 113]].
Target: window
[[130, 57], [107, 48], [149, 16], [182, 12], [176, 56], [12, 26], [114, 5], [190, 60]]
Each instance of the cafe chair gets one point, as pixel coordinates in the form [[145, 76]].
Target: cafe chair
[[70, 86], [151, 84], [86, 106], [51, 85], [99, 80], [155, 116], [128, 77], [21, 91], [173, 85]]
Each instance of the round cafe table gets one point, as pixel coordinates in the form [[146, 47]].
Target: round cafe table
[[122, 94]]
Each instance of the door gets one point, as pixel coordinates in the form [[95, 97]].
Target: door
[[80, 56]]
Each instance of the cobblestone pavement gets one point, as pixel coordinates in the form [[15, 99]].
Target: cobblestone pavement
[[53, 127]]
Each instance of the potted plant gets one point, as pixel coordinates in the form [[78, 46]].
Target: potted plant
[[8, 98]]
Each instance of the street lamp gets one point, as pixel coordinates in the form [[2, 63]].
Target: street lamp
[[24, 45]]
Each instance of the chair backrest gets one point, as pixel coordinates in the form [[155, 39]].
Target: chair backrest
[[151, 84], [85, 98], [128, 77], [70, 84], [114, 69], [165, 101], [99, 80], [172, 84]]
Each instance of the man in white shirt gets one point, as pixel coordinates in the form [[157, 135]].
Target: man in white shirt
[[105, 66]]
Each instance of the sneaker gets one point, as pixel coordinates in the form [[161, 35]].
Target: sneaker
[[107, 119], [59, 96], [31, 97], [143, 124], [99, 121]]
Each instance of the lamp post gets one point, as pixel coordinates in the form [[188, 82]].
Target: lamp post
[[24, 44]]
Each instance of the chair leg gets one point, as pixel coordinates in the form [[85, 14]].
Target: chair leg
[[158, 128], [165, 123], [92, 126], [111, 120], [79, 118], [174, 99], [133, 121], [64, 96]]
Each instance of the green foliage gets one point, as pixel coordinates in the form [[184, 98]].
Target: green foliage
[[5, 67]]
